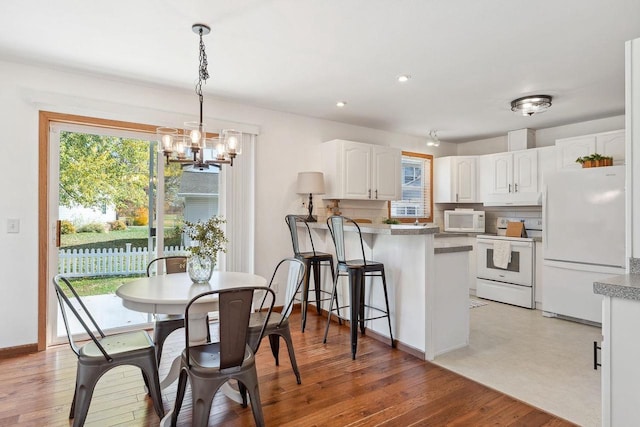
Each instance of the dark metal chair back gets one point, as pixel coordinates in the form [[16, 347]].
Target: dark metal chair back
[[336, 225], [172, 264], [61, 285], [294, 280], [235, 306], [292, 221]]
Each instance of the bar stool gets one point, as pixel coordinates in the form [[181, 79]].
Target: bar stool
[[357, 270], [313, 261]]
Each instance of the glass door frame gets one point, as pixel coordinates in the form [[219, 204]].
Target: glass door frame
[[48, 162]]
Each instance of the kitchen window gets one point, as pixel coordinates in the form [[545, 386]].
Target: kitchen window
[[417, 191]]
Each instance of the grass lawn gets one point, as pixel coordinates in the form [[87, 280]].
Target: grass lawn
[[99, 285], [136, 235]]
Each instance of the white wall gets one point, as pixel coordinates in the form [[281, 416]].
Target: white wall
[[288, 143]]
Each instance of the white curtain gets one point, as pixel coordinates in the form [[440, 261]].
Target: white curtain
[[237, 205]]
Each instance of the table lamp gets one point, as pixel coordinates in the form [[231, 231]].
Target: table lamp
[[310, 183]]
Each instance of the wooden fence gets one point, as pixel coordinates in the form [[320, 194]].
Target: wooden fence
[[108, 262]]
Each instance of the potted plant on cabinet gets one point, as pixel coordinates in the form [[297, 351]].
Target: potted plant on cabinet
[[595, 160]]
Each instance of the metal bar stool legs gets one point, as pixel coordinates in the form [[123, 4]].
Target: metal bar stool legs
[[314, 264], [357, 277]]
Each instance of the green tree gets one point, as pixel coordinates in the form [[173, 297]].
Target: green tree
[[96, 170]]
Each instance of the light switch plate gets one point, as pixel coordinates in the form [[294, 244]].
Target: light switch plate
[[13, 225]]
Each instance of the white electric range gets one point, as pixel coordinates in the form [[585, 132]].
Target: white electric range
[[514, 284]]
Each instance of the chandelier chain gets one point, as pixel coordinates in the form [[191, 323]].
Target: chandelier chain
[[203, 74]]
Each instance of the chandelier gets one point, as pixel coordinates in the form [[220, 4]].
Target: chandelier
[[188, 146], [529, 105]]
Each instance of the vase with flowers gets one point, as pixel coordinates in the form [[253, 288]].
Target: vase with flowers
[[207, 239]]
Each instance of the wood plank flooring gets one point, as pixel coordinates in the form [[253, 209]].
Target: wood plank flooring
[[382, 387]]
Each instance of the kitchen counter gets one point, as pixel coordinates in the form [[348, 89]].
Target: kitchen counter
[[427, 283], [386, 229], [625, 286]]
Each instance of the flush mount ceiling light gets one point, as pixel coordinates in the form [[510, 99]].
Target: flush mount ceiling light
[[432, 139], [530, 105], [341, 104], [188, 146], [403, 78]]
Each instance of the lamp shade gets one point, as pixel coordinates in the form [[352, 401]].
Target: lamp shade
[[310, 183]]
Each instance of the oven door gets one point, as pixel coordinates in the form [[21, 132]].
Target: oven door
[[519, 271]]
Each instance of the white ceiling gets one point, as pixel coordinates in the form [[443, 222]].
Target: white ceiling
[[468, 58]]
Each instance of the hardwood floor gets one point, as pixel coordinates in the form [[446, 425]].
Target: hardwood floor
[[382, 387]]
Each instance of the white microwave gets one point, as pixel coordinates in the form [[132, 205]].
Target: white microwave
[[464, 220]]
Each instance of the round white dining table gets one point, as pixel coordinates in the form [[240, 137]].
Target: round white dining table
[[170, 293]]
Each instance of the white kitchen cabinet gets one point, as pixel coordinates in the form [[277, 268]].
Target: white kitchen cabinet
[[611, 144], [359, 171], [464, 239], [455, 179], [514, 172], [605, 143], [510, 178], [619, 359]]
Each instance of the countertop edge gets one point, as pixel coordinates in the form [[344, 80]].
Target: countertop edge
[[626, 286], [451, 248], [386, 229]]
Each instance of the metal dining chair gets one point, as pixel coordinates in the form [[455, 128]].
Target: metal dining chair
[[165, 324], [103, 353], [291, 271], [357, 270], [208, 366], [312, 260]]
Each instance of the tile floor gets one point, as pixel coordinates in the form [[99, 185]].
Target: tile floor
[[547, 362]]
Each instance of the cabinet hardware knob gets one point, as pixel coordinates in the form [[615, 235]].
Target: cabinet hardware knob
[[369, 193]]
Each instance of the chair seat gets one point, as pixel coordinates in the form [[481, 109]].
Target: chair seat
[[320, 256], [367, 265], [117, 344], [205, 358]]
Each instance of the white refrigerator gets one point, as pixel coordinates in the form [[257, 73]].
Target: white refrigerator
[[583, 238]]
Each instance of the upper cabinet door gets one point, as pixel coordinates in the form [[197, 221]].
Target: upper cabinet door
[[386, 173], [501, 178], [525, 171], [569, 149], [611, 144], [357, 170], [465, 179]]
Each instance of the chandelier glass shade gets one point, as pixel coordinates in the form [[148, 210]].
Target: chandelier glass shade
[[193, 145], [530, 105]]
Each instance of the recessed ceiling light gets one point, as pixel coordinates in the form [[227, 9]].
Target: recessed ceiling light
[[403, 78], [341, 104]]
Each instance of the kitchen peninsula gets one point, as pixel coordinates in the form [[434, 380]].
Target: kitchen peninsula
[[427, 284]]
